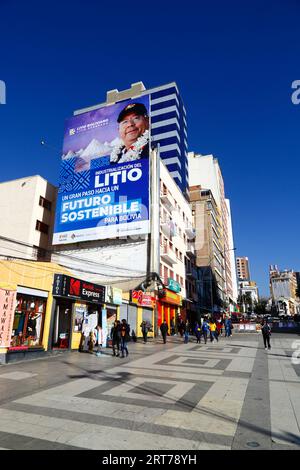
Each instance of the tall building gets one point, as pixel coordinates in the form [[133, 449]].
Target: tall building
[[208, 249], [204, 170], [242, 267], [27, 215], [125, 261], [168, 125]]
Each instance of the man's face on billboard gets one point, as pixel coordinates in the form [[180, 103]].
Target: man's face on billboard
[[132, 127]]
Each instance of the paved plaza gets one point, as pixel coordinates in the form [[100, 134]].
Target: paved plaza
[[227, 395]]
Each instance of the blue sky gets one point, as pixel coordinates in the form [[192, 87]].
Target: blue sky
[[233, 62]]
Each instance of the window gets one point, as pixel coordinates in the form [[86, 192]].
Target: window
[[165, 273], [177, 252], [45, 203], [171, 274], [177, 278], [181, 281], [41, 227]]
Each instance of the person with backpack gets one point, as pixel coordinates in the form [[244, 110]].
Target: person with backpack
[[266, 332], [198, 332], [205, 330], [228, 327], [125, 336]]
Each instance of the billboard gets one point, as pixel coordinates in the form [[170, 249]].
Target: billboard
[[104, 175]]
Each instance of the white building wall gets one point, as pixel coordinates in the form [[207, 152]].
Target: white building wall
[[203, 171], [181, 206], [19, 211]]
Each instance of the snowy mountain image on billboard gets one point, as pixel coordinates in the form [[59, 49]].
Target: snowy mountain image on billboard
[[95, 135]]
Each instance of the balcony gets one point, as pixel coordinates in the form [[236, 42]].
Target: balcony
[[166, 229], [190, 232], [167, 254], [190, 251], [166, 199]]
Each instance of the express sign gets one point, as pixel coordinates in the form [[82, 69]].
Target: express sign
[[66, 286]]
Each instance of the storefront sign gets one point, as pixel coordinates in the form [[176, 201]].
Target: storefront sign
[[7, 308], [142, 299], [171, 298], [66, 286], [173, 285]]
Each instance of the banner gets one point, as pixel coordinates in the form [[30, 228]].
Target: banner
[[7, 311], [104, 178]]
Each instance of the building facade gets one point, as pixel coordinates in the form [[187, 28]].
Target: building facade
[[27, 214], [242, 267], [205, 171], [284, 290]]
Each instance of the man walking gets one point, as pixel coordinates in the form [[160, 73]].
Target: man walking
[[205, 330], [144, 329], [266, 332], [115, 335], [164, 330], [125, 336]]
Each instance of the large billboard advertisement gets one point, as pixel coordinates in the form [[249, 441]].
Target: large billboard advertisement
[[104, 176]]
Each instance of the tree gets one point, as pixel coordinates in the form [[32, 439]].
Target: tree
[[260, 307]]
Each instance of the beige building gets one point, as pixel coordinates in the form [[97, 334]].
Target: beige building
[[27, 211], [242, 267], [204, 170], [208, 244]]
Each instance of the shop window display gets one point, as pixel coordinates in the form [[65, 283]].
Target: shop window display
[[28, 322]]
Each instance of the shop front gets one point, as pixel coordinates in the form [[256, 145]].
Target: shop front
[[168, 307], [25, 327], [78, 307]]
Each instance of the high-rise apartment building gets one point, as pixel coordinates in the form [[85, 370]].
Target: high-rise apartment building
[[208, 248], [242, 267], [204, 170]]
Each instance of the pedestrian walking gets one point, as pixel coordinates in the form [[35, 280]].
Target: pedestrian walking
[[198, 332], [219, 327], [125, 337], [266, 332], [115, 334], [228, 327], [144, 328], [99, 340], [205, 330], [186, 335], [213, 333], [164, 330], [172, 326]]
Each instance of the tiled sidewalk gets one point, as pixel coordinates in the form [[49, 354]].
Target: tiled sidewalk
[[227, 395]]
